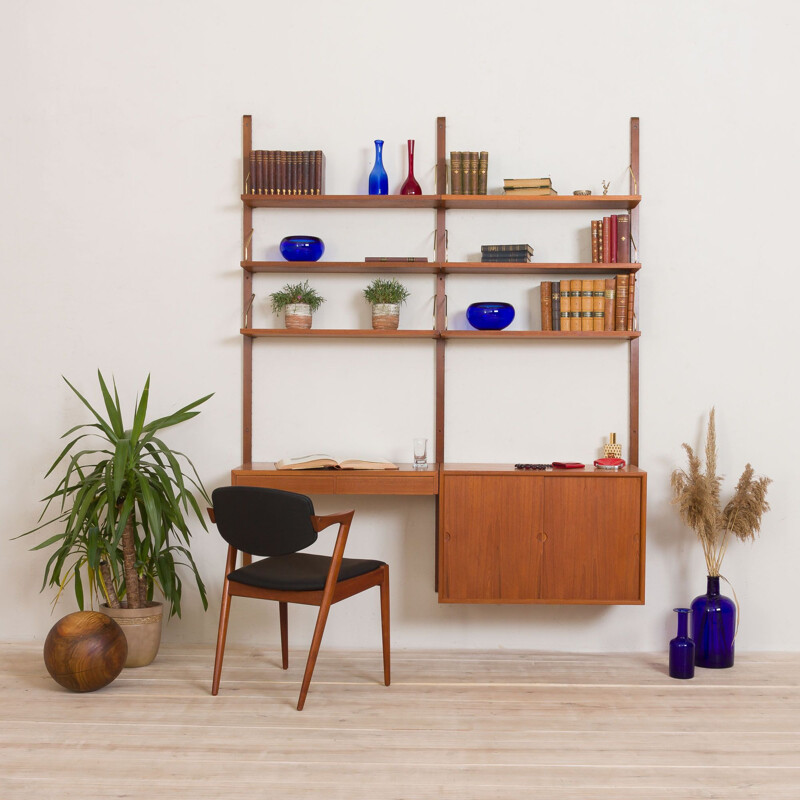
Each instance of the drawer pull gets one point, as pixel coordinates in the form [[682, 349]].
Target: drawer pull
[[541, 536]]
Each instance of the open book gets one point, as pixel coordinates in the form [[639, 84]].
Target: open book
[[320, 461]]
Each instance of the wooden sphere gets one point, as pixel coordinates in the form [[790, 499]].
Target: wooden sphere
[[85, 651]]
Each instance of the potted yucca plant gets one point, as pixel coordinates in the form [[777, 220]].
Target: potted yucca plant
[[123, 508], [697, 496], [386, 296], [298, 301]]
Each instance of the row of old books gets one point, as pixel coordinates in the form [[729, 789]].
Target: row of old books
[[531, 187], [611, 239], [506, 253], [468, 171], [598, 304], [287, 172]]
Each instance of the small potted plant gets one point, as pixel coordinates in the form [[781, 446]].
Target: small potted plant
[[299, 301], [386, 296]]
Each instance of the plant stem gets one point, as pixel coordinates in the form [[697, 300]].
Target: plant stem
[[107, 582], [129, 565]]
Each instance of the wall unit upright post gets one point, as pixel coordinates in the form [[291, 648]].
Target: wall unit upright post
[[247, 297]]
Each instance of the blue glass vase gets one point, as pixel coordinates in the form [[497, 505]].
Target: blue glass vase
[[713, 627], [681, 648], [378, 179]]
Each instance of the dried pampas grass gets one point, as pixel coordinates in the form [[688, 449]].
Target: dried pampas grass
[[697, 496]]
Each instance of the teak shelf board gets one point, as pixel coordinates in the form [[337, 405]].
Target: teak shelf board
[[403, 481], [540, 334], [533, 268], [505, 201], [337, 333], [336, 267], [341, 201], [589, 469]]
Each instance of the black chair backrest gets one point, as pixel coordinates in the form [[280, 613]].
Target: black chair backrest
[[264, 522]]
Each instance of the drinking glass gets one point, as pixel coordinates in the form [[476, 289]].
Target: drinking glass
[[420, 453]]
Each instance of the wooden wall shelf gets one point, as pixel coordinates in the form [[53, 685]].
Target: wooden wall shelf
[[503, 535], [447, 201]]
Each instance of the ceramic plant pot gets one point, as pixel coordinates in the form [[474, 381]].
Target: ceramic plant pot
[[298, 315], [142, 629], [385, 316]]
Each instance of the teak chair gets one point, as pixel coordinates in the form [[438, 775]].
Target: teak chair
[[277, 525]]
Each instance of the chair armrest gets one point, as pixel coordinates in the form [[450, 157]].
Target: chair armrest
[[320, 523]]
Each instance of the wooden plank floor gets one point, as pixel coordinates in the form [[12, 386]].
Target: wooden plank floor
[[499, 725]]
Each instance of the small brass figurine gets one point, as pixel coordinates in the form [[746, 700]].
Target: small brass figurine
[[606, 184]]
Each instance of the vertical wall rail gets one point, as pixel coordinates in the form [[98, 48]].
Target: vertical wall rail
[[441, 298], [247, 294], [633, 348]]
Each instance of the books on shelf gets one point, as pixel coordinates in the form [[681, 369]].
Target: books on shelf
[[397, 258], [322, 461], [529, 192], [611, 239], [531, 187], [527, 183], [509, 253], [286, 172], [469, 171], [584, 304]]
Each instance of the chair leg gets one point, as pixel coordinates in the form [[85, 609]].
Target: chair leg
[[284, 615], [224, 613], [322, 618], [384, 586]]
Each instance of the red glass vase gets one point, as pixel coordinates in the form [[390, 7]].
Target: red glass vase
[[410, 185]]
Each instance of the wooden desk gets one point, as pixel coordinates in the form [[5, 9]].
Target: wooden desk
[[403, 481]]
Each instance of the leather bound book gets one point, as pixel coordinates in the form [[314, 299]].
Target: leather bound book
[[456, 185], [587, 289], [547, 306], [465, 164], [555, 306], [473, 172], [631, 301], [292, 172], [565, 306], [609, 304], [483, 171], [621, 304], [612, 245], [258, 182], [304, 166], [623, 239], [280, 184], [527, 183], [575, 305], [250, 183], [595, 241], [319, 171], [606, 259], [598, 304], [269, 168], [506, 248]]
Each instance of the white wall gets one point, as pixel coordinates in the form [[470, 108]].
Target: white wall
[[121, 234]]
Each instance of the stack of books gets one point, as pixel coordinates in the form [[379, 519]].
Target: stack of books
[[528, 186], [287, 172], [506, 252], [611, 239], [468, 171], [589, 304]]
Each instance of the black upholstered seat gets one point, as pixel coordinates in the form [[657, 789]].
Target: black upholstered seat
[[277, 525], [299, 572]]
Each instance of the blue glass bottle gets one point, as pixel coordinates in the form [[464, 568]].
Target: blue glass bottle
[[713, 627], [378, 179], [681, 648]]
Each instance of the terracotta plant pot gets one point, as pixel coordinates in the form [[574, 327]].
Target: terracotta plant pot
[[298, 315], [142, 629], [385, 316]]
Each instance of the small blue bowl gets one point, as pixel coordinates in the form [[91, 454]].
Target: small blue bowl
[[490, 316], [302, 248]]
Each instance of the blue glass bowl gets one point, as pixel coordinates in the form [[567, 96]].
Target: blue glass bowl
[[490, 316], [302, 248]]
